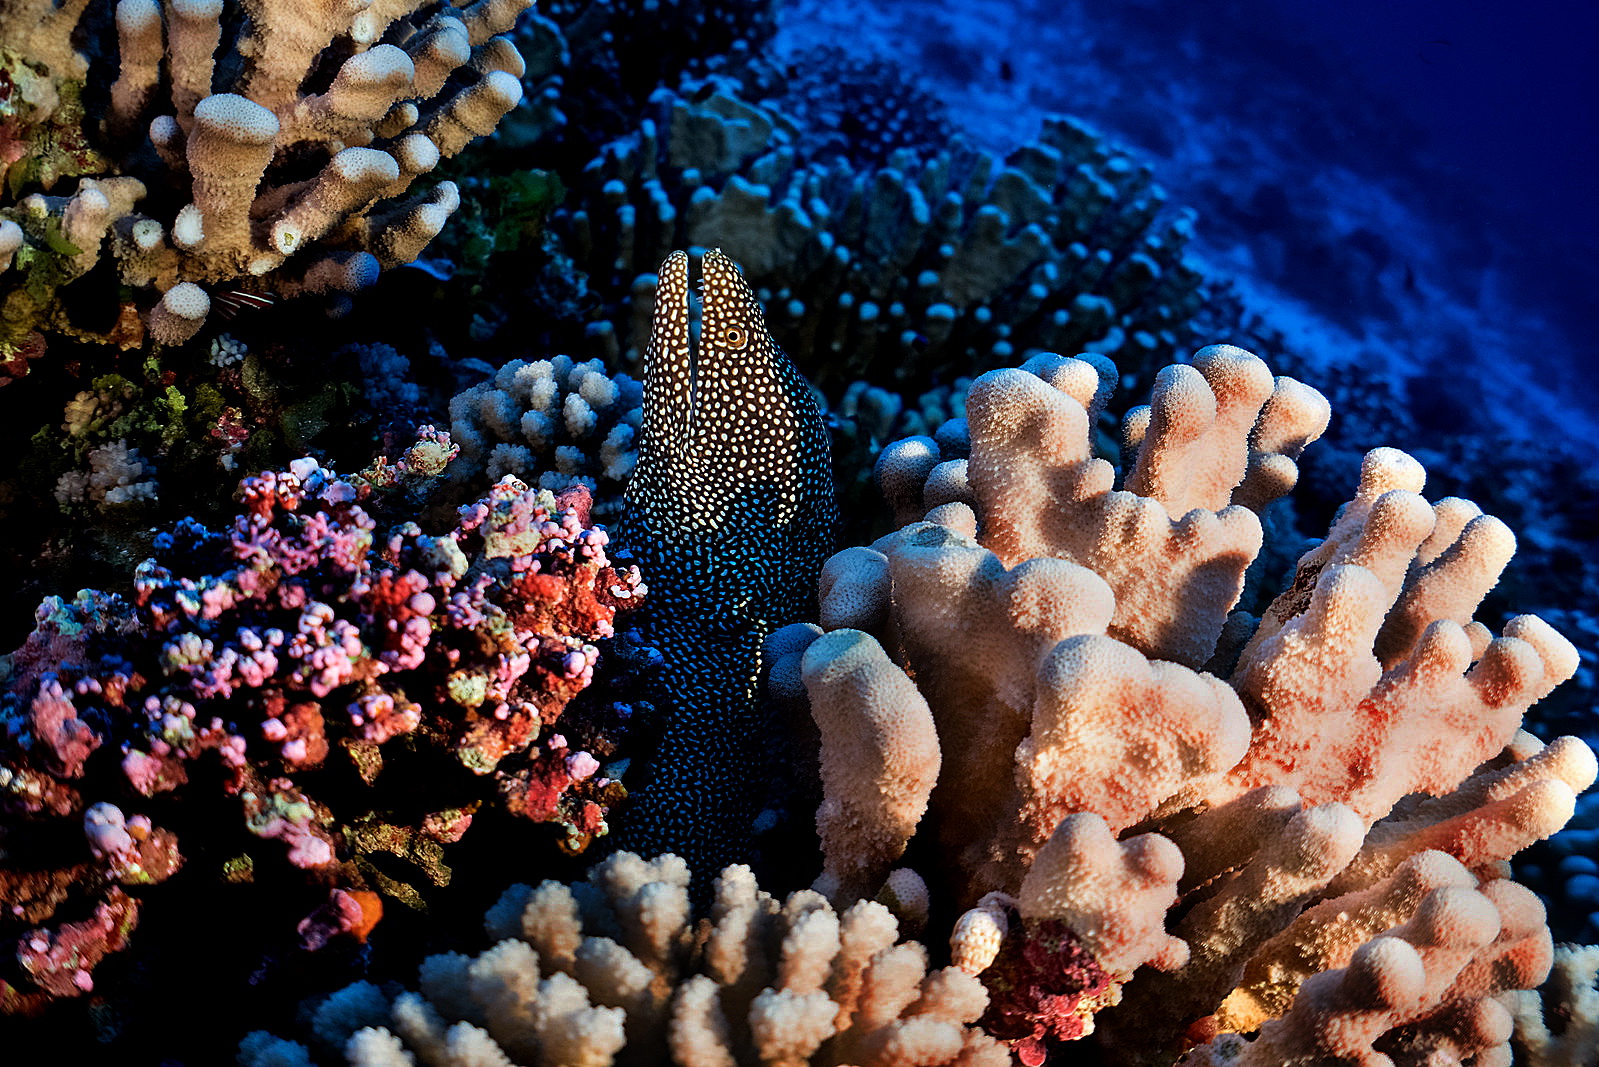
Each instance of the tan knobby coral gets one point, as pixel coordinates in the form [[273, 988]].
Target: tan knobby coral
[[263, 187]]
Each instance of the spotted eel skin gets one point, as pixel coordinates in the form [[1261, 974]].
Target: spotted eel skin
[[730, 512]]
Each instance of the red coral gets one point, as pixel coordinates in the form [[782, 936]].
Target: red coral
[[541, 786], [65, 739], [304, 745], [355, 914], [15, 356], [59, 961], [1044, 987]]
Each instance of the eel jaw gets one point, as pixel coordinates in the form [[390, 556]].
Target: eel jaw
[[674, 329], [684, 287]]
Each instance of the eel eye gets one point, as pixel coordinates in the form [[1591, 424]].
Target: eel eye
[[734, 337]]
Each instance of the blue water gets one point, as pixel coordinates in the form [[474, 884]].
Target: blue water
[[1403, 192], [1409, 184], [1507, 96]]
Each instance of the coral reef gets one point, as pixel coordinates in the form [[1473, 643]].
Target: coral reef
[[1180, 788], [288, 663], [499, 225], [899, 275], [119, 448], [259, 189], [616, 970]]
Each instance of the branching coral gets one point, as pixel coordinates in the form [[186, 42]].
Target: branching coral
[[117, 476], [616, 970], [1358, 778], [1183, 830], [288, 662], [142, 443], [285, 171], [1424, 991]]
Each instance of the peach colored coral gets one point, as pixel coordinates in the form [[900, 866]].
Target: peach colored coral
[[1335, 765]]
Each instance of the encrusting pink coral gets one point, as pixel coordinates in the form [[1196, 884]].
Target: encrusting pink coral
[[1315, 778], [302, 640]]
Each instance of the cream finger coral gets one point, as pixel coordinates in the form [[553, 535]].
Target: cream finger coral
[[270, 182], [879, 759], [1040, 492], [757, 982]]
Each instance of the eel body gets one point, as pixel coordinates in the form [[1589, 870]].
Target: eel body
[[731, 514]]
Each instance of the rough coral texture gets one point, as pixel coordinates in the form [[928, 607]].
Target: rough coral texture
[[873, 803], [1323, 798], [552, 422], [899, 273], [284, 661], [614, 54], [1558, 1026], [1423, 991], [617, 970], [286, 173]]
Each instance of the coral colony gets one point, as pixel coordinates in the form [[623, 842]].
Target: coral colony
[[566, 736]]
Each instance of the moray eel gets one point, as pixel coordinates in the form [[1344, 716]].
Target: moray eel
[[730, 512]]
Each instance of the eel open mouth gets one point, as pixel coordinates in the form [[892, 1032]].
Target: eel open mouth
[[674, 329], [696, 318], [677, 327], [701, 299]]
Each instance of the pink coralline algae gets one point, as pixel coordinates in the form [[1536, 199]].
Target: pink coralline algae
[[1044, 987], [286, 662]]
